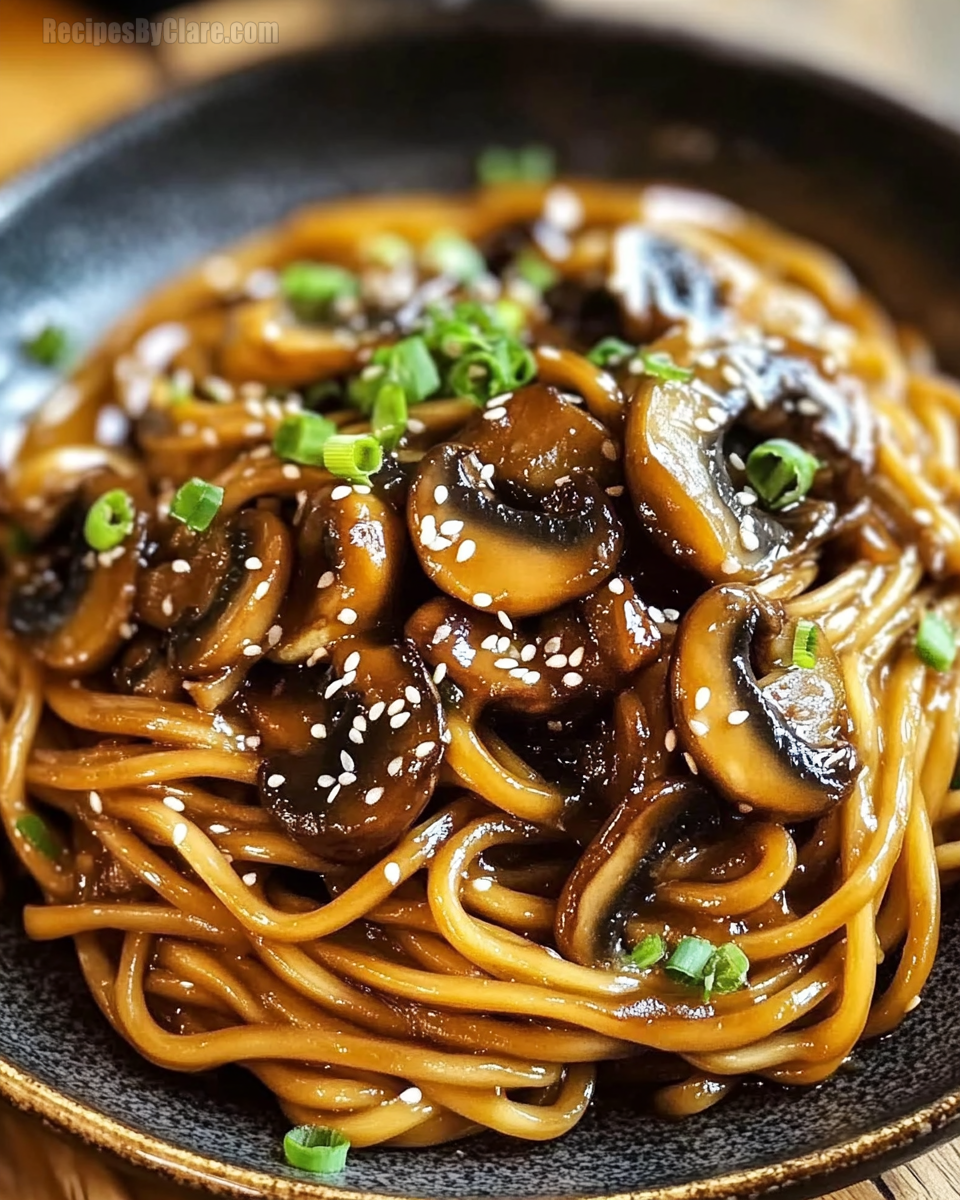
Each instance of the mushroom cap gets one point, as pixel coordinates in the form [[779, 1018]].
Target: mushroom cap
[[489, 553], [781, 742]]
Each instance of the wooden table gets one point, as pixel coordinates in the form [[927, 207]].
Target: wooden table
[[50, 94]]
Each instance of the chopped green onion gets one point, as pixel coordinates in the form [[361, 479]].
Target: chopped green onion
[[611, 352], [196, 504], [311, 288], [410, 365], [529, 164], [48, 347], [389, 418], [317, 1149], [477, 350], [109, 520], [726, 972], [509, 315], [936, 642], [36, 831], [805, 644], [387, 250], [301, 437], [659, 364], [780, 472], [532, 268], [353, 456], [688, 963], [448, 253], [648, 952]]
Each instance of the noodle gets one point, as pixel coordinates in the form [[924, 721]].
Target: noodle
[[405, 788]]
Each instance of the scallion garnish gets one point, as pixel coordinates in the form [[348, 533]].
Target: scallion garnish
[[388, 250], [389, 417], [301, 437], [477, 354], [109, 520], [353, 456], [528, 164], [451, 254], [660, 365], [196, 504], [317, 1149], [726, 971], [780, 472], [936, 642], [688, 963], [311, 288], [805, 644], [648, 952], [410, 365], [48, 347], [36, 831], [611, 352], [532, 268]]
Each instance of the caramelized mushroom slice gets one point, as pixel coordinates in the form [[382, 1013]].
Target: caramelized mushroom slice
[[687, 480], [780, 742], [350, 553], [71, 605], [145, 670], [478, 547], [589, 924], [661, 283], [375, 759]]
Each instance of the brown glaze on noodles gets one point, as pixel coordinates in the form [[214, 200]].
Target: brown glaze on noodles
[[370, 790]]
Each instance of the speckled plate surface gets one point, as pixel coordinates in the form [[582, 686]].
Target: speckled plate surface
[[85, 236]]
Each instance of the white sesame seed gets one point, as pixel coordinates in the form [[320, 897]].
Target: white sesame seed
[[250, 879], [551, 645], [466, 550], [490, 642], [325, 781], [360, 723], [412, 1095], [487, 472], [531, 677], [332, 688], [557, 660], [440, 672], [688, 759], [672, 614], [738, 716], [576, 658], [392, 873], [749, 540], [737, 462], [396, 706], [494, 414], [702, 698], [253, 563], [290, 471], [440, 494], [415, 425], [504, 620], [179, 833], [482, 600], [439, 543], [922, 517], [355, 736], [127, 630], [174, 803], [341, 491], [424, 749], [505, 664], [572, 679], [352, 661], [373, 795], [699, 727], [252, 651], [616, 490], [747, 497], [503, 645], [347, 616], [670, 740], [656, 614], [412, 694], [609, 450], [394, 767], [319, 730], [326, 579], [166, 606], [274, 634], [180, 566], [809, 408], [346, 778], [333, 793], [617, 586], [348, 678], [399, 720], [346, 761], [441, 633], [730, 566], [451, 529], [428, 529], [745, 808], [446, 737], [261, 589], [96, 803]]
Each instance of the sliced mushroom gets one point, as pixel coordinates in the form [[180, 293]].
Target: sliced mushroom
[[144, 669], [771, 736], [71, 605], [479, 548], [685, 468], [592, 908], [661, 283], [375, 759]]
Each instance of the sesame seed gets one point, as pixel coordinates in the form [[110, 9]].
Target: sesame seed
[[355, 736], [551, 645], [572, 679], [180, 566], [373, 795], [482, 599], [576, 658], [252, 651], [396, 706], [656, 613], [738, 716], [688, 759], [319, 730], [439, 543], [466, 550], [670, 740], [399, 720], [555, 726], [504, 620], [549, 352], [394, 766], [174, 804], [424, 749], [346, 761], [704, 425], [127, 630], [518, 672], [347, 616], [736, 462], [922, 517], [332, 688], [325, 781], [494, 414], [333, 793], [428, 529], [440, 494], [254, 429], [250, 879], [415, 425], [616, 490], [490, 642], [531, 677], [274, 634], [487, 472], [290, 471], [347, 778], [261, 589], [617, 586], [96, 804], [505, 664], [352, 661], [441, 634], [672, 614], [412, 694], [702, 698], [699, 727], [730, 566], [809, 408], [326, 579], [253, 563], [557, 660], [392, 873], [412, 1095], [747, 497], [341, 491], [179, 833], [446, 737], [609, 450], [451, 529], [748, 539], [166, 606], [440, 672], [360, 722]]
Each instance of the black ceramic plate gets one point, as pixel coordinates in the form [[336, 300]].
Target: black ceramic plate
[[89, 234]]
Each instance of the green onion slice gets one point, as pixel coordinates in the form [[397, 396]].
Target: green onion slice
[[196, 504], [805, 644], [936, 642], [648, 952], [48, 347], [316, 1148], [311, 288], [36, 831], [611, 352], [532, 268], [109, 520], [448, 253], [659, 364], [780, 472], [688, 963], [353, 456], [389, 418], [726, 971], [410, 365], [301, 437]]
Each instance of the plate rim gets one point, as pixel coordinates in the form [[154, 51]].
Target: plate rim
[[837, 1165]]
